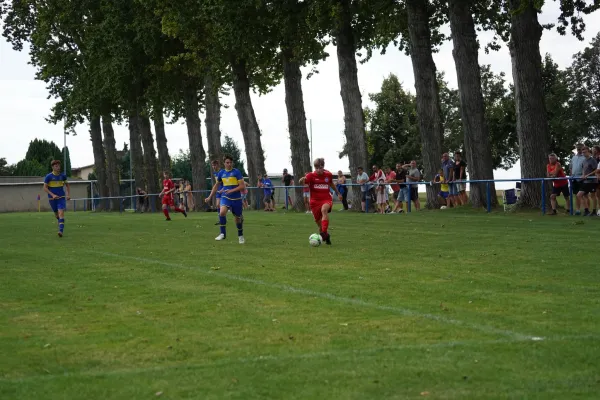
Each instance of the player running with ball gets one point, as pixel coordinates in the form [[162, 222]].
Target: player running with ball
[[319, 183]]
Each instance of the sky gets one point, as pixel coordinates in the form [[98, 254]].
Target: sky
[[24, 104]]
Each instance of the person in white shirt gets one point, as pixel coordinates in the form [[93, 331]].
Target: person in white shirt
[[362, 179]]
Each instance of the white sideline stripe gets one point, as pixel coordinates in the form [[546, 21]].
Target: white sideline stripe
[[339, 354], [333, 297]]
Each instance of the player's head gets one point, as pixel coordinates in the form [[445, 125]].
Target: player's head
[[55, 164], [166, 174], [215, 165], [228, 161], [319, 165]]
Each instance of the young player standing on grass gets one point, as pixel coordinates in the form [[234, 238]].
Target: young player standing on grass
[[54, 184], [232, 182], [167, 197], [319, 183]]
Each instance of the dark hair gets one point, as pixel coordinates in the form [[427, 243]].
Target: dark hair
[[215, 161], [228, 157], [320, 162], [54, 162], [360, 168], [457, 153]]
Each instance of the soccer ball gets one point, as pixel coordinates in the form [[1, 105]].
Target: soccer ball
[[443, 207], [315, 240]]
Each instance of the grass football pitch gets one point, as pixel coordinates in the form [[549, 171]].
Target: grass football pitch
[[449, 304]]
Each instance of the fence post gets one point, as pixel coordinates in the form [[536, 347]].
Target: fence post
[[152, 204], [286, 198], [488, 197], [571, 196], [543, 197]]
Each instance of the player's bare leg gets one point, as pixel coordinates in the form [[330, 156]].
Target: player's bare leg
[[325, 222]]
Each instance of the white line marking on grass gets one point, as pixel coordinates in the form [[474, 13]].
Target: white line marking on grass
[[333, 297], [340, 355]]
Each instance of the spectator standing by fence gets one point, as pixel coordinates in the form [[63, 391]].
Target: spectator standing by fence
[[576, 171], [460, 174], [341, 187], [403, 189], [414, 175], [288, 180], [555, 170], [363, 179], [590, 165]]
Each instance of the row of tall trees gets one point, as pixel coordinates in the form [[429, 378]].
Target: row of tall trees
[[137, 61], [569, 95]]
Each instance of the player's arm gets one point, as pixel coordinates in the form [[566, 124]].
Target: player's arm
[[47, 190], [68, 190], [241, 185], [213, 191], [335, 189]]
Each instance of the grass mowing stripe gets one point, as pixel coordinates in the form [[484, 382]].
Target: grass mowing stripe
[[332, 297], [338, 354]]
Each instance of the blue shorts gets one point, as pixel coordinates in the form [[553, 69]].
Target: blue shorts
[[218, 195], [443, 194], [236, 206], [58, 204]]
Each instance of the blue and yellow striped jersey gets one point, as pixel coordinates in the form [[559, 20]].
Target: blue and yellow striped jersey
[[56, 183], [230, 180]]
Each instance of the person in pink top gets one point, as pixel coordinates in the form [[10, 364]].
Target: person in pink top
[[390, 177]]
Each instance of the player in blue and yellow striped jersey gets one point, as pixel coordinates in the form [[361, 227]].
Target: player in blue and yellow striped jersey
[[54, 184], [232, 183]]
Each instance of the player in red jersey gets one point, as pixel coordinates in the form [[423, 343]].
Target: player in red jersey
[[167, 196], [319, 183]]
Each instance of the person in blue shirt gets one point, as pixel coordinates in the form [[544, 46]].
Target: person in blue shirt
[[267, 186], [232, 183], [216, 169], [54, 184]]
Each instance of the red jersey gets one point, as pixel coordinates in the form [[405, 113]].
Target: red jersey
[[319, 186], [561, 173], [168, 185]]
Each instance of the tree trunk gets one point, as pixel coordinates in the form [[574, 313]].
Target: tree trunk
[[150, 164], [197, 154], [477, 144], [112, 164], [135, 151], [255, 156], [213, 119], [532, 120], [428, 102], [354, 125], [164, 161], [294, 102], [99, 160]]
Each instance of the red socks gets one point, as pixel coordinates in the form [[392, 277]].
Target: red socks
[[179, 210], [166, 212], [324, 226]]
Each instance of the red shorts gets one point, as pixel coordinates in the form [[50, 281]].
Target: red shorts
[[316, 209], [168, 200]]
